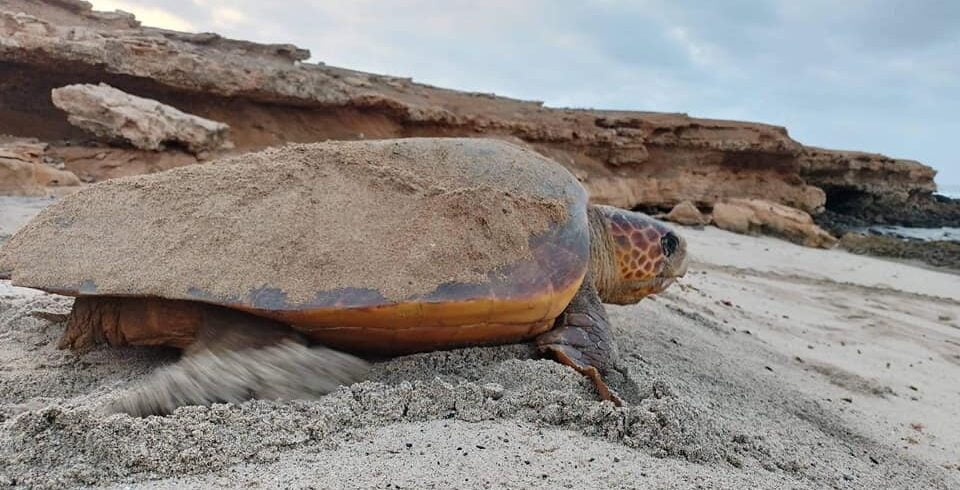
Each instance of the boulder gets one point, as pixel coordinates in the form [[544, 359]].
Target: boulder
[[144, 123], [754, 216], [23, 173], [686, 213], [96, 163]]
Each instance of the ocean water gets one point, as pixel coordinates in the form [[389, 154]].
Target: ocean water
[[951, 191], [949, 233]]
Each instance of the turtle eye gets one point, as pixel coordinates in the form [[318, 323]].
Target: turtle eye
[[669, 243]]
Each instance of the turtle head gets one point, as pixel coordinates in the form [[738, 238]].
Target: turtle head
[[633, 255]]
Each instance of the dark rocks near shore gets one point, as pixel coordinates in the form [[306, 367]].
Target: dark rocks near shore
[[869, 189], [938, 253], [847, 217], [921, 210]]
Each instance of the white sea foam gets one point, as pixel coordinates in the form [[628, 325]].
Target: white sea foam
[[926, 234]]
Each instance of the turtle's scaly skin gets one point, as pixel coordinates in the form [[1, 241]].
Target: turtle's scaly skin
[[638, 254], [641, 248]]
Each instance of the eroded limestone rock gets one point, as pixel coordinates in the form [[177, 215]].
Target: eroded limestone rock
[[23, 173], [686, 213], [755, 216], [144, 123]]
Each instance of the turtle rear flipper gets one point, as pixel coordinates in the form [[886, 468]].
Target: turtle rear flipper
[[237, 357]]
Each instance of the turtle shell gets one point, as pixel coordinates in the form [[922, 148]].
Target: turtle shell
[[389, 245]]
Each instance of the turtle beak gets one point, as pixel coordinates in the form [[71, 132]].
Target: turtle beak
[[663, 283], [674, 271], [682, 268]]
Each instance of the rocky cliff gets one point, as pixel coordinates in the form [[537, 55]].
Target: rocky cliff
[[854, 172], [866, 188], [268, 95]]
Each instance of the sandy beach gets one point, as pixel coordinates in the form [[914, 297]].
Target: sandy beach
[[770, 366]]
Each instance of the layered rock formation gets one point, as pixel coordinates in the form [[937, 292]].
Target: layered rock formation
[[837, 171], [268, 95], [865, 188]]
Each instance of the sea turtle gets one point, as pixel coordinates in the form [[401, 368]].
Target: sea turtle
[[371, 247]]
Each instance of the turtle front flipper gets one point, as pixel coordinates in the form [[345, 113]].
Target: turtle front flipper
[[582, 340], [236, 357]]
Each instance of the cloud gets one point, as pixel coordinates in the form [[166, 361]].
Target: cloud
[[148, 15], [878, 75]]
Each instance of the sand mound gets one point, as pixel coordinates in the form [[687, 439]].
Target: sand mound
[[703, 407]]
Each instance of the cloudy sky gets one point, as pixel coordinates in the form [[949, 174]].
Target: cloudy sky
[[878, 75]]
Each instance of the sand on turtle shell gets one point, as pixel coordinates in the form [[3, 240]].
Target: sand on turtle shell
[[396, 216]]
